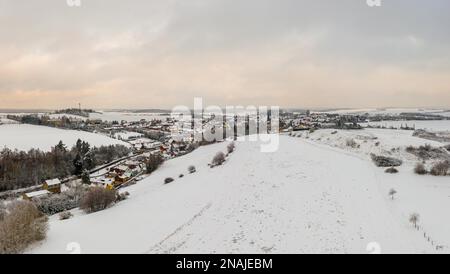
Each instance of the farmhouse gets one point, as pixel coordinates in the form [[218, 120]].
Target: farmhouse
[[36, 194], [120, 170], [104, 182], [53, 186]]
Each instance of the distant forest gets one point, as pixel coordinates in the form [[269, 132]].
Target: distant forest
[[76, 111], [19, 169]]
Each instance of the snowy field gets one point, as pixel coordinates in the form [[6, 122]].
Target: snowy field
[[25, 137], [440, 125], [388, 111], [127, 116], [310, 196], [125, 135]]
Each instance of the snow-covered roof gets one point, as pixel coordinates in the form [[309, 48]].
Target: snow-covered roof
[[37, 193], [103, 180], [53, 182]]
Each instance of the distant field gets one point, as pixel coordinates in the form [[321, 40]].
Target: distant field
[[127, 116], [443, 125], [25, 137]]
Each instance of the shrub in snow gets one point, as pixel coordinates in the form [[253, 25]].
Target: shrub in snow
[[351, 143], [377, 144], [122, 196], [22, 225], [231, 147], [56, 203], [391, 170], [96, 199], [168, 180], [334, 132], [383, 161], [181, 176], [420, 169], [219, 159], [392, 193], [428, 152], [440, 169], [191, 169], [65, 215]]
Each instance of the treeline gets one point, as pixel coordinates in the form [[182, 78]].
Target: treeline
[[76, 111], [19, 169], [63, 122]]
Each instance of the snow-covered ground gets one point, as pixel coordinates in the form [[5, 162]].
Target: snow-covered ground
[[307, 197], [125, 135], [438, 125], [25, 137], [126, 116], [388, 111]]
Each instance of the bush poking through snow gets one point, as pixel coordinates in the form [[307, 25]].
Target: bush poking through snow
[[391, 170], [392, 193], [231, 147], [181, 176], [57, 203], [219, 159], [440, 169], [122, 196], [168, 180], [383, 161], [97, 198], [191, 169], [428, 152], [65, 215], [420, 169], [351, 143], [22, 225]]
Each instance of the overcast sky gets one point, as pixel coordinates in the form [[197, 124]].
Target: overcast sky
[[157, 54]]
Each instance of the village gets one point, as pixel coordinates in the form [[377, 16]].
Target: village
[[174, 136]]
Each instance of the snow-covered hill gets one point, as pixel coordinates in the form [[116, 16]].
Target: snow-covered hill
[[304, 198], [25, 137]]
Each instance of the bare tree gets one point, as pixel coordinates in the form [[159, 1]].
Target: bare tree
[[22, 225], [96, 199], [392, 193], [414, 219]]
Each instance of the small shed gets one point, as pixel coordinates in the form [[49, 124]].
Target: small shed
[[36, 194]]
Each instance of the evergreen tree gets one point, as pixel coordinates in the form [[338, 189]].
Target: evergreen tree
[[85, 177]]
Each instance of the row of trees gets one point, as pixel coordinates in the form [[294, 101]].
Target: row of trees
[[20, 169]]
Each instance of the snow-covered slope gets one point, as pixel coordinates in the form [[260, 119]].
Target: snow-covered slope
[[25, 137], [304, 198]]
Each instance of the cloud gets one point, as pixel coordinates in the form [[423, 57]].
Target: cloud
[[135, 54]]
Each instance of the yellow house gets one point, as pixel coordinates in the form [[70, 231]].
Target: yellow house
[[53, 186]]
